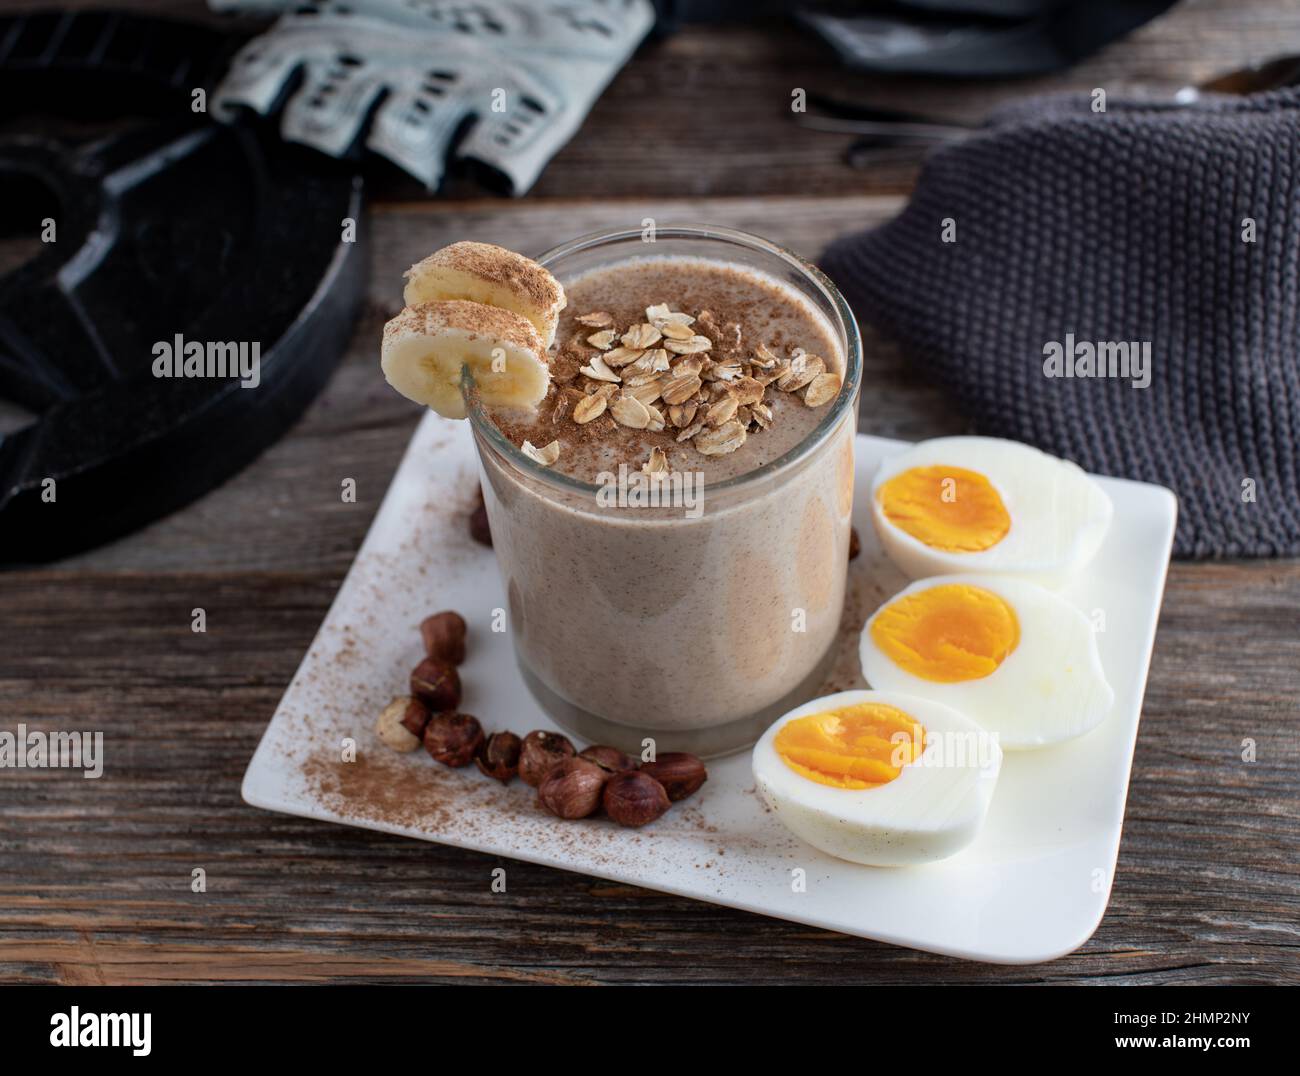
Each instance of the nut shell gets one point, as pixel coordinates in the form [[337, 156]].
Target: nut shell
[[679, 773], [415, 716], [610, 759], [540, 752], [453, 739], [572, 788], [444, 636], [634, 798], [436, 684], [500, 756]]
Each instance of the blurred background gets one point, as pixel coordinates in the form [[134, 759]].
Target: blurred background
[[800, 122]]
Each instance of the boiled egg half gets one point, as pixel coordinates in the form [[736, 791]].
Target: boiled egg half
[[878, 777], [1017, 659], [979, 504]]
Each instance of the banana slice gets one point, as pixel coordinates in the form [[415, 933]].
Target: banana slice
[[482, 273], [426, 345]]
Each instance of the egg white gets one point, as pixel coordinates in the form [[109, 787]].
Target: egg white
[[1049, 689], [931, 810], [1059, 515]]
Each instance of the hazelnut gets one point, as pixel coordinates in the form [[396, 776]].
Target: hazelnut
[[539, 753], [679, 773], [453, 739], [436, 684], [634, 798], [855, 543], [500, 756], [415, 717], [610, 759], [391, 729], [444, 637], [478, 522], [572, 788]]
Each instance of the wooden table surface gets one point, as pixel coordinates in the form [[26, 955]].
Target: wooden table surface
[[95, 875]]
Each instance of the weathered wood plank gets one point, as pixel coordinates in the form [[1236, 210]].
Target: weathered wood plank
[[95, 885]]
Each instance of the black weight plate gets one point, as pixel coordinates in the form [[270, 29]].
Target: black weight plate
[[168, 226]]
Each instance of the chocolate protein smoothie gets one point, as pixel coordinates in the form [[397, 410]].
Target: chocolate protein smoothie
[[672, 520]]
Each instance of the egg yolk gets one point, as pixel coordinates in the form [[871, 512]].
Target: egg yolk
[[862, 746], [947, 508], [947, 633]]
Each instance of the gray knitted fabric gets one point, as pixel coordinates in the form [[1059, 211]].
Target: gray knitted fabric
[[1119, 226]]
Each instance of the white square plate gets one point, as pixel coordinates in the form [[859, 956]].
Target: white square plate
[[1032, 887]]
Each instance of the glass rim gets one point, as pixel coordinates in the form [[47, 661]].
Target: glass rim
[[844, 322]]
